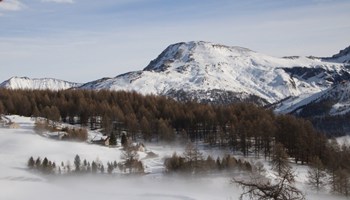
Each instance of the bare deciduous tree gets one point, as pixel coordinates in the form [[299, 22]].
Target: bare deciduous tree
[[282, 188], [316, 174], [280, 159]]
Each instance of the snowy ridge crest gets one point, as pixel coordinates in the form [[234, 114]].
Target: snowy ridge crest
[[37, 83], [210, 72], [215, 73]]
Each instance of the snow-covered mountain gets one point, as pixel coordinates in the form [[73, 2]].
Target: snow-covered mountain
[[332, 101], [211, 72], [342, 57], [215, 73], [37, 83]]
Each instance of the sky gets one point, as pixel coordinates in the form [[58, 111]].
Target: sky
[[85, 40]]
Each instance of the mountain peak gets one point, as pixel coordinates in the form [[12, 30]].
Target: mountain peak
[[343, 56], [192, 51]]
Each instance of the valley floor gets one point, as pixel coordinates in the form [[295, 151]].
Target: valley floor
[[19, 183]]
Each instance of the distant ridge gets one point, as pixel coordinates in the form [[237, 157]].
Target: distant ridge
[[37, 83]]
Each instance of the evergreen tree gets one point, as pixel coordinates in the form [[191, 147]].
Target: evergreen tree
[[102, 169], [112, 140], [93, 167], [45, 165], [110, 168], [38, 163], [31, 163], [124, 140], [2, 108], [77, 163]]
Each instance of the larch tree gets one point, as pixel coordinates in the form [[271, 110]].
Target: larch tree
[[279, 160], [316, 174], [192, 157]]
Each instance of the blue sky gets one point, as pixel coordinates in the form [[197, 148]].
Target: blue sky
[[84, 40]]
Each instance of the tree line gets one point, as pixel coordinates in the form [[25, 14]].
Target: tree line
[[130, 164], [241, 127], [193, 162]]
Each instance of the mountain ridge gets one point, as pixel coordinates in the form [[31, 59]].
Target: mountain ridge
[[195, 67], [215, 73], [37, 83]]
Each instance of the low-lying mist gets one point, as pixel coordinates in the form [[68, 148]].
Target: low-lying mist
[[128, 188]]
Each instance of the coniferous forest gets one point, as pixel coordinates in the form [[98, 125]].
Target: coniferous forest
[[244, 128]]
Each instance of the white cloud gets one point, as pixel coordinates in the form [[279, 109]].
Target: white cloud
[[59, 1], [11, 5]]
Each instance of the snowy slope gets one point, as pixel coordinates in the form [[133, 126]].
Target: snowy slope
[[342, 57], [215, 73], [210, 71], [332, 101], [37, 83]]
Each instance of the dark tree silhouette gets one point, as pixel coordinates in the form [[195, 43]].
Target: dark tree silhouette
[[31, 163], [113, 140], [282, 188], [77, 163]]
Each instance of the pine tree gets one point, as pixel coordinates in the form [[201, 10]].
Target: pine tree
[[124, 140], [102, 169], [112, 140], [45, 165], [77, 163], [2, 108], [68, 166], [31, 163], [109, 168], [93, 167], [38, 163]]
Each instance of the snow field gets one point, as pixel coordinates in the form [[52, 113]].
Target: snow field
[[19, 183]]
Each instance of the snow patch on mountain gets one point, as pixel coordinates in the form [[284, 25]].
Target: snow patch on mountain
[[37, 83]]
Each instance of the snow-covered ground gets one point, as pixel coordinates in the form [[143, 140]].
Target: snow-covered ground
[[19, 183]]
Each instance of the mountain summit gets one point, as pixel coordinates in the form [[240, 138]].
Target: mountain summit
[[209, 72], [343, 56], [215, 73], [192, 52]]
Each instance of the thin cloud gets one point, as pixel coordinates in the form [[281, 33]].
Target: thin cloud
[[11, 5]]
